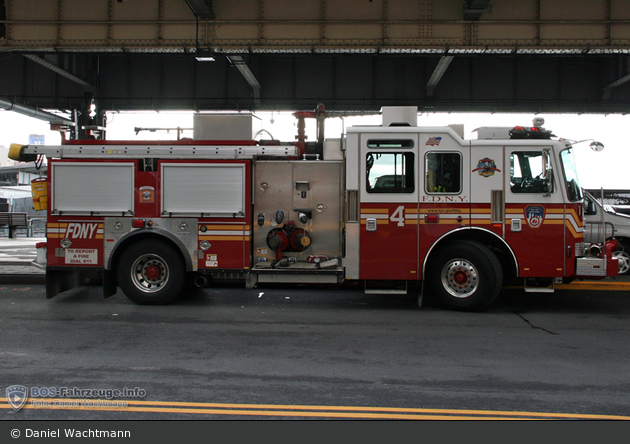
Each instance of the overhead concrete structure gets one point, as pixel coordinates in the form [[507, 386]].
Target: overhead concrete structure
[[506, 55]]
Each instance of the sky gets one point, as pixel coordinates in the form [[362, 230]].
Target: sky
[[604, 169]]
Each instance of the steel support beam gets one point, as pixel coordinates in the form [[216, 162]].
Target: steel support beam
[[240, 64], [201, 8], [608, 89], [61, 72], [438, 72], [475, 8], [285, 26]]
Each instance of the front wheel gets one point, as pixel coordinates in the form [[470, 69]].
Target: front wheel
[[623, 256], [151, 273], [465, 275]]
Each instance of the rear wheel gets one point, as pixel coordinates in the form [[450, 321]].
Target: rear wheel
[[465, 275], [151, 272]]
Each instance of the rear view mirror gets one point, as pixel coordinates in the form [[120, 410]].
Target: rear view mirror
[[597, 146]]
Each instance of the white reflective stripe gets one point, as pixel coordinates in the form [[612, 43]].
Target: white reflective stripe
[[574, 224], [224, 233], [374, 216]]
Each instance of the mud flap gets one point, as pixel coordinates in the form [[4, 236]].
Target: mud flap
[[109, 283], [58, 281], [251, 280]]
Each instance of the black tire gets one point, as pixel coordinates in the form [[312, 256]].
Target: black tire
[[151, 273], [465, 275], [623, 254]]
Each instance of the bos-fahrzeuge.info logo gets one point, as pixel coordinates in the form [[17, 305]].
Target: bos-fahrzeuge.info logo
[[17, 396], [43, 397]]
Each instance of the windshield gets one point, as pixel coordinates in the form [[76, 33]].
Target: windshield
[[570, 176]]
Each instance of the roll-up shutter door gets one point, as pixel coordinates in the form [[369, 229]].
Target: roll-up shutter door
[[203, 189], [92, 188]]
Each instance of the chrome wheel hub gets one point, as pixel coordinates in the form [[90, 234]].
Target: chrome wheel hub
[[623, 260], [149, 273], [460, 278]]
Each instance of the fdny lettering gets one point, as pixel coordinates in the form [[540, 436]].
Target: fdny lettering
[[444, 198], [81, 230]]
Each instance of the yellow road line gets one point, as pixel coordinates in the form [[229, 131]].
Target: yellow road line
[[606, 286], [587, 285], [320, 411]]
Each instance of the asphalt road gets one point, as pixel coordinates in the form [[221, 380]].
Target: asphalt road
[[298, 352]]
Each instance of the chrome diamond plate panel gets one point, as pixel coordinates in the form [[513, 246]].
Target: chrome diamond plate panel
[[351, 260], [182, 229]]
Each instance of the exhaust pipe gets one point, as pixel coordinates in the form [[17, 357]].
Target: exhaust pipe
[[202, 281]]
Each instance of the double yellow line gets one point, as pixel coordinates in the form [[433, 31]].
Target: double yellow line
[[309, 411]]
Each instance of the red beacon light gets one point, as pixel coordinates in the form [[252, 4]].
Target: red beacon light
[[531, 132], [138, 223]]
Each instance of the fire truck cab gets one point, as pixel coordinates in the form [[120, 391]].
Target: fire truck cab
[[464, 214], [390, 206]]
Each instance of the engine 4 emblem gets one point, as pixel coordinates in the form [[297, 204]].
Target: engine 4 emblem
[[486, 167], [535, 215]]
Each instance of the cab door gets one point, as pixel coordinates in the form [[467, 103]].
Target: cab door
[[389, 206], [445, 194], [534, 211]]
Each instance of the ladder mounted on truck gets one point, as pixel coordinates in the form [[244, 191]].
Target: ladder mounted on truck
[[30, 153]]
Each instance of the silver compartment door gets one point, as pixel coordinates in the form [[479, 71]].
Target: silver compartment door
[[212, 189], [92, 188]]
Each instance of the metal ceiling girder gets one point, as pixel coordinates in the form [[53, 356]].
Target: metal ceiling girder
[[201, 8], [438, 72], [241, 64], [60, 71], [475, 8], [608, 89], [352, 26]]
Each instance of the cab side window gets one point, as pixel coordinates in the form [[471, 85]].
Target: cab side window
[[444, 172], [390, 172], [527, 174]]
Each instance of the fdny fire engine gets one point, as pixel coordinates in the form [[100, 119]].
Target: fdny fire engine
[[392, 207]]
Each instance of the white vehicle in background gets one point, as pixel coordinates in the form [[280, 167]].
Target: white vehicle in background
[[602, 223]]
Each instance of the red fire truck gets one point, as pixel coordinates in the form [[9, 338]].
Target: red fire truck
[[394, 206]]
